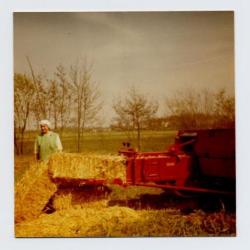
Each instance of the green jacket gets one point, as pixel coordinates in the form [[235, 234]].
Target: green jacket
[[47, 144]]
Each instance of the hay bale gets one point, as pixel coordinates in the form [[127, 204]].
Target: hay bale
[[63, 201], [33, 192], [87, 166], [72, 197]]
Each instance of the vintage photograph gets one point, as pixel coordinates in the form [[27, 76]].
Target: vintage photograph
[[124, 124]]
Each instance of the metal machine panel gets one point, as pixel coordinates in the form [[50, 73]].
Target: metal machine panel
[[217, 167]]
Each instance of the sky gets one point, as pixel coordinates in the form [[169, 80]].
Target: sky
[[159, 53]]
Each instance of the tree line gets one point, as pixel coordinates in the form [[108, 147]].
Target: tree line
[[71, 98]]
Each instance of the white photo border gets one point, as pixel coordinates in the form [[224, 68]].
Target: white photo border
[[242, 88]]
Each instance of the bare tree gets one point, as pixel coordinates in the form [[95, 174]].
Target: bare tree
[[23, 99], [54, 97], [65, 97], [224, 109], [86, 97], [134, 111], [190, 109], [59, 95], [69, 98], [40, 107]]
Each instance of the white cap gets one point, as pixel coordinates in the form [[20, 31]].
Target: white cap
[[44, 122]]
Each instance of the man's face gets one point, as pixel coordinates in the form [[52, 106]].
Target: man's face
[[44, 129]]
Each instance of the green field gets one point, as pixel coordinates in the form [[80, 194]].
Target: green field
[[108, 141]]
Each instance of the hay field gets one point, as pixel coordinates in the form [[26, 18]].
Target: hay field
[[96, 219], [82, 213]]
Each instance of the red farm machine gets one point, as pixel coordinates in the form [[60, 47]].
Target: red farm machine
[[199, 162], [197, 170]]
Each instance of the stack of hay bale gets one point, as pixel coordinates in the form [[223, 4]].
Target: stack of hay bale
[[38, 184], [33, 192]]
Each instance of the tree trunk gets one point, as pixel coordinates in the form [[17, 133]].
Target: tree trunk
[[78, 132], [78, 138], [16, 144], [138, 137], [21, 143]]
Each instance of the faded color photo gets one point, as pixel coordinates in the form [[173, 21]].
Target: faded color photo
[[124, 124]]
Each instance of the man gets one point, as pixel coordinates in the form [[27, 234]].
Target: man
[[47, 142]]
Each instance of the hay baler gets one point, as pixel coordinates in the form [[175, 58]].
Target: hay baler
[[200, 161]]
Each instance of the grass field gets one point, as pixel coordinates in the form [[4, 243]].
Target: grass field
[[108, 141]]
